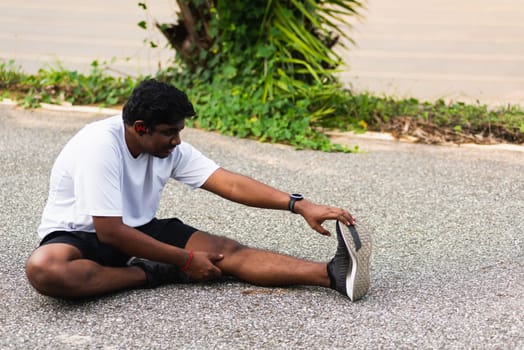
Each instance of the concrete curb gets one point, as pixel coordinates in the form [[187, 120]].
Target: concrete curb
[[343, 138]]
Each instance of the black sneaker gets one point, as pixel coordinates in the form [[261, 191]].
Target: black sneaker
[[349, 268], [158, 273]]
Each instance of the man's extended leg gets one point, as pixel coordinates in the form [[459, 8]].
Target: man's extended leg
[[257, 266], [347, 272], [59, 270]]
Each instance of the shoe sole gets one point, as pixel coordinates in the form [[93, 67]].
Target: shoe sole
[[358, 243]]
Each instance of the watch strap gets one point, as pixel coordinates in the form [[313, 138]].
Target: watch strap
[[293, 198], [291, 205]]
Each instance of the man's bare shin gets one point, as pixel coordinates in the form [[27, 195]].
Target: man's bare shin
[[257, 266], [266, 268]]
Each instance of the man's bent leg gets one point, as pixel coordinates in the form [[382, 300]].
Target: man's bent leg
[[257, 266], [59, 270]]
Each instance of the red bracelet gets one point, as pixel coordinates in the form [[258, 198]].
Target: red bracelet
[[188, 263]]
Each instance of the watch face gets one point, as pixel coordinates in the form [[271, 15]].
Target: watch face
[[297, 196]]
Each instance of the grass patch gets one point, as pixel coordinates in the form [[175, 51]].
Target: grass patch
[[286, 121], [57, 85]]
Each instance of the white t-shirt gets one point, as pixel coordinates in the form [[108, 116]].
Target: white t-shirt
[[96, 175]]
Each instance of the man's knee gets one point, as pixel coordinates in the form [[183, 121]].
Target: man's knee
[[45, 270], [229, 246], [212, 243], [39, 272]]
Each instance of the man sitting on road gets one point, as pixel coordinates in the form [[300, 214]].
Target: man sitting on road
[[99, 231]]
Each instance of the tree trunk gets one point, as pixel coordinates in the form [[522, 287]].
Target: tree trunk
[[190, 35]]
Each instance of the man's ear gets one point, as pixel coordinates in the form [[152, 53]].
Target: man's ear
[[140, 128]]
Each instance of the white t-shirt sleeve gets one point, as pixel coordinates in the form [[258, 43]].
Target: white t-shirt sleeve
[[97, 181], [192, 167]]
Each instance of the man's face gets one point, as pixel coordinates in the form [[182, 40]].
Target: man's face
[[163, 139]]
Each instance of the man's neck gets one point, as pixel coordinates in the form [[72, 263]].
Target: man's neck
[[130, 139]]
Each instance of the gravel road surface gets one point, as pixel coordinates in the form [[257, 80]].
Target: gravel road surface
[[447, 267]]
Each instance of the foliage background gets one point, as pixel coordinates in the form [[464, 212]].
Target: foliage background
[[266, 69], [263, 68]]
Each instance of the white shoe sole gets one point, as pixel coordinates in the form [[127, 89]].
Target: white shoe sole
[[358, 242]]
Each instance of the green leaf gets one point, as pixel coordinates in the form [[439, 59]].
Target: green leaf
[[265, 51]]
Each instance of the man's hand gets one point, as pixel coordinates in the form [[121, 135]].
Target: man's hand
[[203, 268], [316, 214]]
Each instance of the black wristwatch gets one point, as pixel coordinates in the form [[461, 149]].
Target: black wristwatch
[[293, 197]]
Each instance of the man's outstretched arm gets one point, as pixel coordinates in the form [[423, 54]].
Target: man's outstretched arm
[[248, 191]]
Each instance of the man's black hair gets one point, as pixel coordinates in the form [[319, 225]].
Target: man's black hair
[[156, 103]]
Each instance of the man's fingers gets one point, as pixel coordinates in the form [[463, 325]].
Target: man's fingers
[[213, 273], [331, 213], [345, 217], [215, 270], [206, 268], [322, 230], [216, 257]]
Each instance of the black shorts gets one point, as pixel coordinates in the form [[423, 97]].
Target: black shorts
[[170, 231]]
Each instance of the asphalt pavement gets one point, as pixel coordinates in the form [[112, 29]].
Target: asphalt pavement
[[447, 268]]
